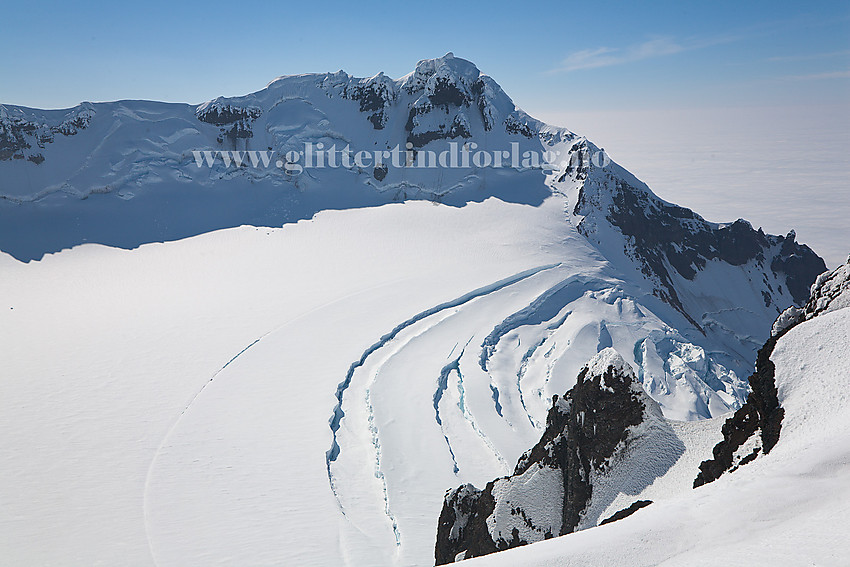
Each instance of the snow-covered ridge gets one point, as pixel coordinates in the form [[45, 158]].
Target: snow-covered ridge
[[20, 128], [757, 426], [599, 430], [609, 358]]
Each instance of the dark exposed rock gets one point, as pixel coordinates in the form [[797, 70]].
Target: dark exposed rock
[[626, 512], [17, 133], [72, 126], [447, 91], [375, 96], [448, 94], [662, 237], [759, 420], [234, 122], [798, 266], [584, 430], [514, 126], [380, 172], [463, 519], [478, 88], [761, 415], [12, 138], [579, 164], [831, 291], [457, 128], [224, 114]]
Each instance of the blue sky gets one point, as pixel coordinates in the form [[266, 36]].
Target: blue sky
[[548, 56]]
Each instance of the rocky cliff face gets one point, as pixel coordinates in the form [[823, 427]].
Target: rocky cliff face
[[755, 428], [552, 484], [670, 244], [23, 135]]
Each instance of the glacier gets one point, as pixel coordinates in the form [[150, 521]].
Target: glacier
[[384, 335]]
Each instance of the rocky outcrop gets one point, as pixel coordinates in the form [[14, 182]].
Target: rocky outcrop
[[755, 428], [667, 240], [20, 133], [449, 95], [233, 121], [626, 512], [375, 96], [552, 484]]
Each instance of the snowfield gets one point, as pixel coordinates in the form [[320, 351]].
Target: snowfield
[[131, 431], [171, 405]]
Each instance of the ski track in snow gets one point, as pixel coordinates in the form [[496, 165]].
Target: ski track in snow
[[379, 473], [171, 430], [167, 436]]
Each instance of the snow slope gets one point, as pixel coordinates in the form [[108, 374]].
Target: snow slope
[[131, 420], [784, 508], [137, 383]]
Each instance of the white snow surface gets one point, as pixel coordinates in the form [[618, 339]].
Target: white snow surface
[[519, 505], [305, 395], [175, 404], [172, 404], [605, 359], [130, 177], [787, 508]]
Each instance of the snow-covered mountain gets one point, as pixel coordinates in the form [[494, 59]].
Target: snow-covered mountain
[[395, 331], [124, 173], [778, 473]]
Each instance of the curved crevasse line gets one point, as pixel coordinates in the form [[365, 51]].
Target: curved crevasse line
[[523, 365], [467, 415], [336, 417], [494, 393], [375, 435], [379, 473], [544, 308], [442, 386]]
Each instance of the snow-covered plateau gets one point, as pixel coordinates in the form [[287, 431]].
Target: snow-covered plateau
[[241, 366]]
